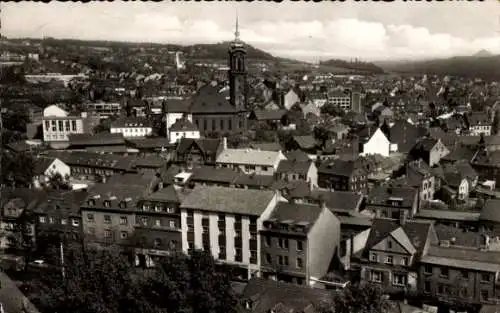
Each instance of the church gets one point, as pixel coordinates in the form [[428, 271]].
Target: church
[[211, 111]]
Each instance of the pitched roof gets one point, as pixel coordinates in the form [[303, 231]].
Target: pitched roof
[[305, 142], [459, 257], [301, 167], [297, 155], [63, 203], [334, 200], [249, 156], [42, 164], [252, 180], [207, 146], [338, 167], [176, 105], [416, 231], [131, 121], [296, 213], [229, 200], [381, 194], [269, 115], [491, 211], [458, 237], [184, 125], [448, 215], [80, 158], [266, 294], [167, 194], [100, 139], [208, 99], [266, 146], [212, 174]]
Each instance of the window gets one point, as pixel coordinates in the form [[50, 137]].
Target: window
[[172, 224], [60, 124], [157, 242], [427, 286], [107, 233], [389, 259], [64, 221], [51, 220], [465, 275], [253, 257], [107, 203], [485, 277], [42, 219], [427, 269], [389, 244], [66, 126], [267, 241], [107, 219], [237, 233], [299, 245], [123, 220], [47, 125], [404, 261], [285, 259], [229, 124], [123, 235], [485, 295], [73, 126], [300, 263], [144, 221], [269, 259], [157, 222], [280, 260], [440, 289], [205, 125], [374, 257], [399, 279], [376, 276], [53, 123], [444, 272], [221, 124], [283, 243], [90, 217], [170, 210]]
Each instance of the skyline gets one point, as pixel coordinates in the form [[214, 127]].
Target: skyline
[[304, 31]]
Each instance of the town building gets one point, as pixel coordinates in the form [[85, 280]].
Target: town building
[[194, 152], [342, 175], [393, 202], [183, 128], [227, 222], [58, 124], [132, 127], [299, 242], [47, 167]]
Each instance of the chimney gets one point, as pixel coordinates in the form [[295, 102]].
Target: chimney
[[403, 217], [224, 143]]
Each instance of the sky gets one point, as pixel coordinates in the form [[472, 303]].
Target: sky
[[306, 31]]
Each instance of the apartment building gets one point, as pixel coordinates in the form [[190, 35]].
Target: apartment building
[[104, 109], [393, 202], [58, 124], [340, 99], [299, 242], [132, 127], [227, 222]]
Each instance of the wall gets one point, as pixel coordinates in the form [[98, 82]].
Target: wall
[[176, 136], [378, 144], [171, 118], [132, 131], [115, 227], [60, 167], [54, 131], [323, 243]]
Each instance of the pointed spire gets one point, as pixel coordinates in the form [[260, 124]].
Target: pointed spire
[[237, 31]]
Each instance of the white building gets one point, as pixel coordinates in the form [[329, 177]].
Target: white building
[[250, 161], [290, 99], [175, 109], [132, 127], [340, 99], [377, 144], [58, 124], [46, 167], [227, 222], [183, 128]]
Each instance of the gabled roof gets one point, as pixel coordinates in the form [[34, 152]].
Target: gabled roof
[[42, 164], [475, 259], [209, 100], [212, 174], [228, 200], [177, 105], [338, 167], [253, 180], [131, 121], [167, 194], [207, 146], [400, 236], [183, 125], [294, 213], [305, 142], [297, 155], [266, 146], [100, 139], [380, 195], [300, 167], [269, 115]]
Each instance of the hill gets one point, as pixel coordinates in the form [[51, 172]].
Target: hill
[[482, 66], [357, 66]]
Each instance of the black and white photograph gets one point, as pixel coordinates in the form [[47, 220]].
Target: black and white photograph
[[250, 157]]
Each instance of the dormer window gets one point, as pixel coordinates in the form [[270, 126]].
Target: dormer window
[[91, 202], [107, 203], [248, 304]]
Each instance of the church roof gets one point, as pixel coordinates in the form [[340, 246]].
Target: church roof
[[208, 99]]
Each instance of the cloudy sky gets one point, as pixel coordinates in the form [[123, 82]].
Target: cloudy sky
[[306, 31]]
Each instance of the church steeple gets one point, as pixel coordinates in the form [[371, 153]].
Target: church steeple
[[237, 71], [236, 31]]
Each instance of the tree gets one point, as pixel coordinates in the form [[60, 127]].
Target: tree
[[358, 299], [94, 282], [321, 134], [58, 182], [17, 168], [192, 284], [22, 237]]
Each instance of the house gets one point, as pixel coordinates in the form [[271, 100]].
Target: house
[[299, 242], [198, 151], [227, 222], [298, 170], [250, 161], [404, 135], [254, 181], [306, 143], [393, 202], [59, 217], [132, 127], [212, 176], [58, 124], [430, 150], [175, 109], [378, 143], [12, 204], [183, 128], [290, 99], [264, 296], [108, 214], [393, 251], [421, 176], [157, 230], [451, 271], [342, 175], [479, 123], [47, 167], [271, 118]]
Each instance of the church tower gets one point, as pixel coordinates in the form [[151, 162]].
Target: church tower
[[237, 72]]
